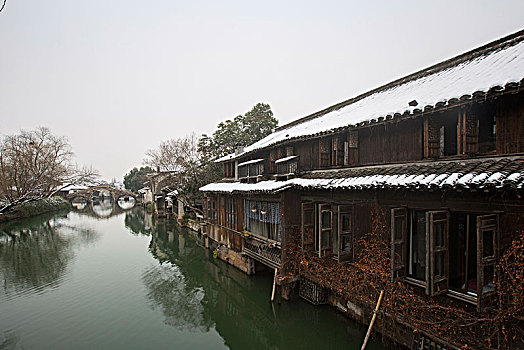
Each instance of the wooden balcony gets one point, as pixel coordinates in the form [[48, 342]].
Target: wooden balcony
[[265, 251]]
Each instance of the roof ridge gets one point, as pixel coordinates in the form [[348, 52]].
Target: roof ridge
[[507, 41]]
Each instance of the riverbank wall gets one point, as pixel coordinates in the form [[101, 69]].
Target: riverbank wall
[[220, 250], [35, 208]]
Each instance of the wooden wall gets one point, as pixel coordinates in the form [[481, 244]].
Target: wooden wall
[[510, 124], [308, 154], [389, 142]]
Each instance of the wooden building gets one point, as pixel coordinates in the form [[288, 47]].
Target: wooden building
[[439, 153]]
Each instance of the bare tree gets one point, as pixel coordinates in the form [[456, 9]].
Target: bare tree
[[183, 158], [36, 164], [175, 155]]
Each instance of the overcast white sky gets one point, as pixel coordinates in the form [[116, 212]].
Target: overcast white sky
[[118, 77]]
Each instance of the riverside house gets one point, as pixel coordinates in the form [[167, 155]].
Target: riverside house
[[425, 173]]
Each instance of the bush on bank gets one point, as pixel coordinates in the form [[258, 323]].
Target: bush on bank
[[34, 208]]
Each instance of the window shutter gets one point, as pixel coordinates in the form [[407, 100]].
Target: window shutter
[[325, 230], [345, 233], [467, 133], [431, 138], [325, 152], [308, 226], [399, 228], [438, 241], [346, 153], [353, 147], [487, 254], [337, 148]]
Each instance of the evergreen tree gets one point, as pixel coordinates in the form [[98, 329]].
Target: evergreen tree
[[134, 179], [243, 130]]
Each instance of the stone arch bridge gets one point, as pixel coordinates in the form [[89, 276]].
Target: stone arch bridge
[[94, 191]]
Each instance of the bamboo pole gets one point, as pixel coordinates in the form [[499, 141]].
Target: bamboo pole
[[274, 285], [372, 320]]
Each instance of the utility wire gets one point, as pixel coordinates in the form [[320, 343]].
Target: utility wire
[[3, 5]]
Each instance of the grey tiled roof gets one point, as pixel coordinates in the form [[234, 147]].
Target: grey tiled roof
[[470, 173], [448, 174]]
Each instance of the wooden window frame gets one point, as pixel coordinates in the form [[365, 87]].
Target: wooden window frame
[[307, 228], [342, 234], [437, 284], [322, 231], [399, 242], [485, 223], [231, 213]]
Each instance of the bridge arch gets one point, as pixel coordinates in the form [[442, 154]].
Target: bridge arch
[[88, 193]]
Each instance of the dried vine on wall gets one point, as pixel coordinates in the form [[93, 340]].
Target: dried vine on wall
[[453, 321]]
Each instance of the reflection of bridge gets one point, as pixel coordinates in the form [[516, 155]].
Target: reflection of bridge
[[88, 193], [100, 208]]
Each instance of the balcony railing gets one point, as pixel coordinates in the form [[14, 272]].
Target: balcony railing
[[266, 252]]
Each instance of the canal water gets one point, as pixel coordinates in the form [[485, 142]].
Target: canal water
[[104, 278]]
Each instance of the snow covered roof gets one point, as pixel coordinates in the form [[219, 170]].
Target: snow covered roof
[[75, 187], [253, 161], [493, 67], [477, 173], [230, 187], [144, 190], [285, 159]]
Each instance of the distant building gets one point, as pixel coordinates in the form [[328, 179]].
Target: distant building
[[146, 196]]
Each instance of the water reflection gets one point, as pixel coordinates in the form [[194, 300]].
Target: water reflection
[[145, 286], [103, 207], [181, 304], [79, 205], [196, 292], [126, 202], [10, 341], [139, 222], [35, 253]]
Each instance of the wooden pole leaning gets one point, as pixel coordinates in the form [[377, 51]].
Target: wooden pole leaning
[[274, 285], [372, 320]]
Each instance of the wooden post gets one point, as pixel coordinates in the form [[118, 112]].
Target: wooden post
[[274, 285], [372, 320]]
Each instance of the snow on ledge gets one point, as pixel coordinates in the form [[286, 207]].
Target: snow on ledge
[[285, 159], [251, 162]]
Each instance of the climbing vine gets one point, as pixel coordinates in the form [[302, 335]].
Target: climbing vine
[[453, 321]]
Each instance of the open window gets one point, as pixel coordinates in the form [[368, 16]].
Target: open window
[[440, 135], [445, 251], [323, 242], [345, 234], [487, 252], [308, 226], [437, 241], [399, 228]]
